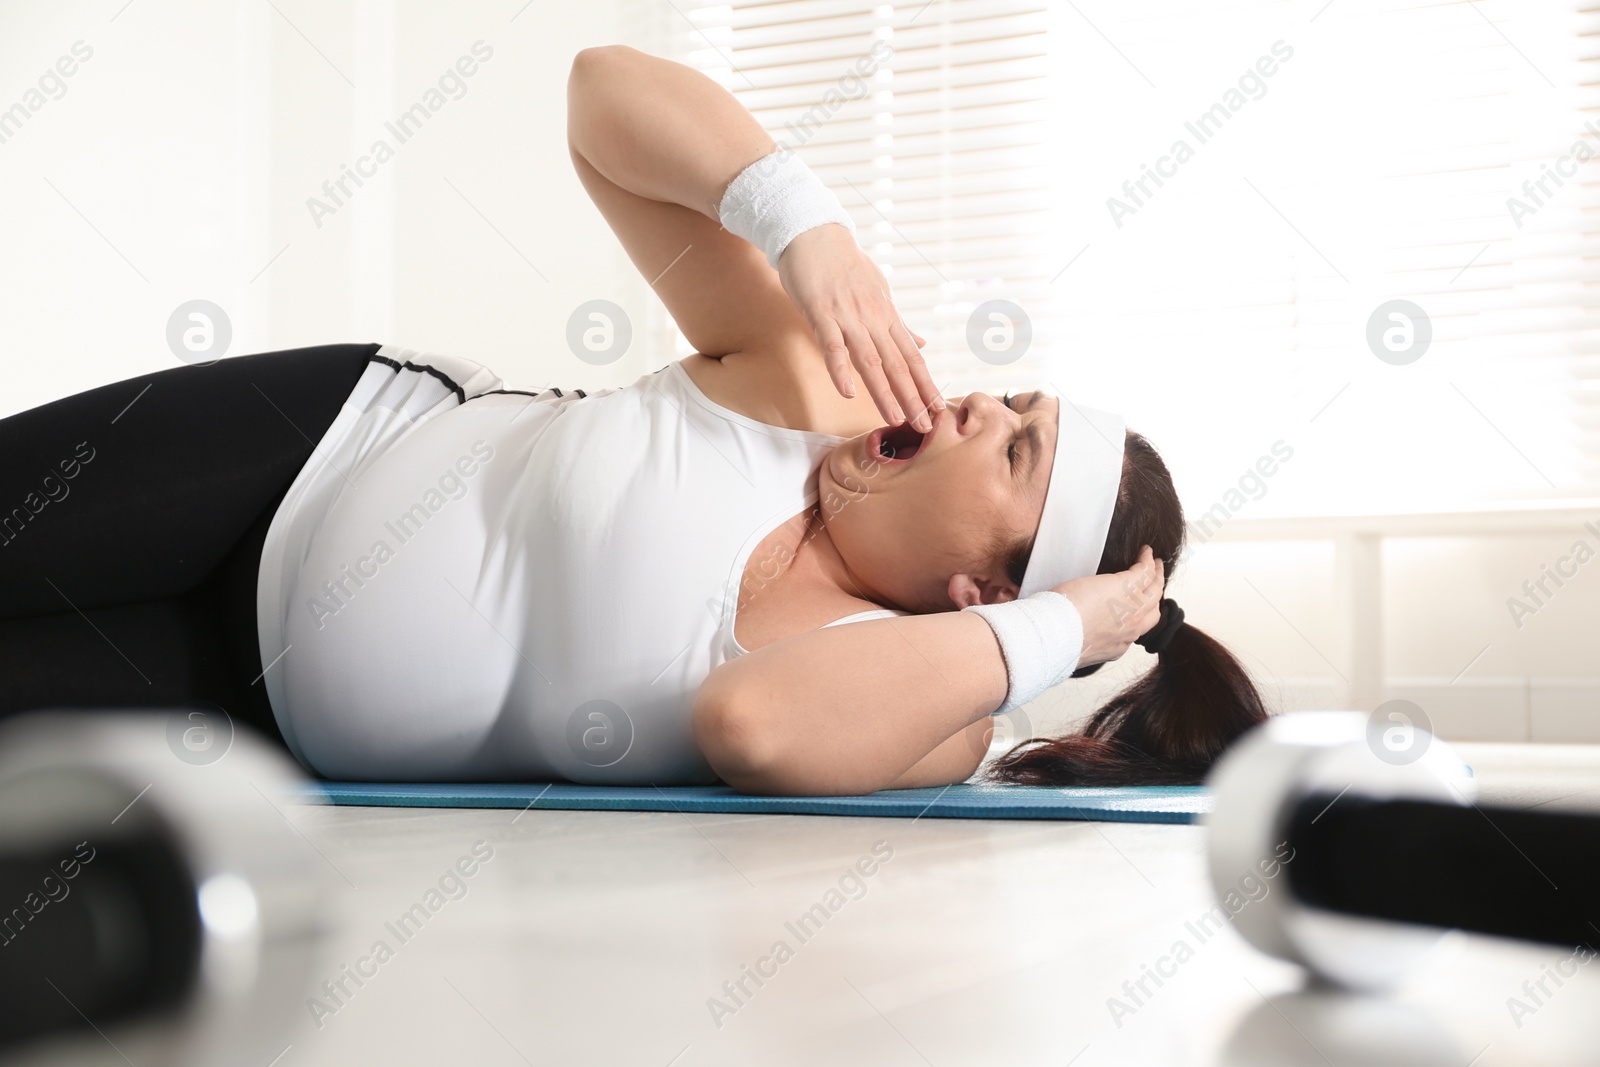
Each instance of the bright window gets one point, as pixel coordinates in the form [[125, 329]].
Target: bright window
[[1200, 207]]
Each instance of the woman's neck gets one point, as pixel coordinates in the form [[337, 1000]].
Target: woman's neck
[[818, 565]]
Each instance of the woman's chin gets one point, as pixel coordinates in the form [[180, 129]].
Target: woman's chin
[[842, 466]]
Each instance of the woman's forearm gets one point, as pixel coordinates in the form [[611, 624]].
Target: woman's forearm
[[849, 709], [953, 761], [658, 128]]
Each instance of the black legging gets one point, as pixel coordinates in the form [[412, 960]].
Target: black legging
[[131, 523]]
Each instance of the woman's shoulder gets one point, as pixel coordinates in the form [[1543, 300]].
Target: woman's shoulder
[[785, 385]]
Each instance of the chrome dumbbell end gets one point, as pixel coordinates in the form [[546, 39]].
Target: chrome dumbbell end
[[161, 893], [1274, 790]]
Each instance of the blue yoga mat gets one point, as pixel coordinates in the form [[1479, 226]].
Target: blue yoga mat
[[1158, 804]]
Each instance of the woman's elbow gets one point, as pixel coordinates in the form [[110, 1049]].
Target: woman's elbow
[[599, 77], [732, 739], [599, 62]]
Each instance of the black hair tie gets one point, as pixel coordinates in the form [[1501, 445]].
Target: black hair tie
[[1161, 634]]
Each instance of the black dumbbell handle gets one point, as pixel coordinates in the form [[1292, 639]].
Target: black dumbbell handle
[[1527, 874]]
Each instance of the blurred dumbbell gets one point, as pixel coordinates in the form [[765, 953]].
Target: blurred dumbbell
[[154, 901], [1354, 857]]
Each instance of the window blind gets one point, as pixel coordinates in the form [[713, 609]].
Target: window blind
[[929, 125], [1222, 297]]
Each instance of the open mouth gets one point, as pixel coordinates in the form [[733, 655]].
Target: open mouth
[[896, 444]]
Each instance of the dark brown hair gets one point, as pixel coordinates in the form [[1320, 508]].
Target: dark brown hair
[[1171, 724]]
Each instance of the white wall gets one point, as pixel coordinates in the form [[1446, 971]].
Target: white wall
[[184, 150], [178, 162]]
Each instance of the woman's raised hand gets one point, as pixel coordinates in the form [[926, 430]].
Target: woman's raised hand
[[844, 299], [1117, 609]]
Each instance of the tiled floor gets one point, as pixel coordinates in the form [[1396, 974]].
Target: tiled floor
[[608, 938]]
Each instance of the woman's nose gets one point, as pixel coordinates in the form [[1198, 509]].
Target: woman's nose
[[978, 404]]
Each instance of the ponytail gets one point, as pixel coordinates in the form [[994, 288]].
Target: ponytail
[[1171, 724], [1165, 729]]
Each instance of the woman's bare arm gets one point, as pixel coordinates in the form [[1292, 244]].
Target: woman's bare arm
[[848, 709], [656, 144], [889, 702], [955, 759], [651, 140], [629, 112]]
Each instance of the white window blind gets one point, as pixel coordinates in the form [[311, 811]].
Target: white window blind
[[937, 151], [1225, 307]]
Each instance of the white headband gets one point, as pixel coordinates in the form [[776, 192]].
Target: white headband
[[1079, 500]]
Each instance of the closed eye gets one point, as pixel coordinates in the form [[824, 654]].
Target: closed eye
[[1011, 449]]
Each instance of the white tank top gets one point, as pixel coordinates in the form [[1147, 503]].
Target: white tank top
[[469, 583]]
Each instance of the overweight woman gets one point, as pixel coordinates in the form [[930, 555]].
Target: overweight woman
[[784, 562]]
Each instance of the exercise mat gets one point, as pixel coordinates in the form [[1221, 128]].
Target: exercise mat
[[1153, 804]]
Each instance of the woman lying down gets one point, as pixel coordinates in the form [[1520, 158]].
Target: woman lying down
[[731, 569]]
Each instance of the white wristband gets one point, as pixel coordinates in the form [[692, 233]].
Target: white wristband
[[776, 199], [1041, 638]]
